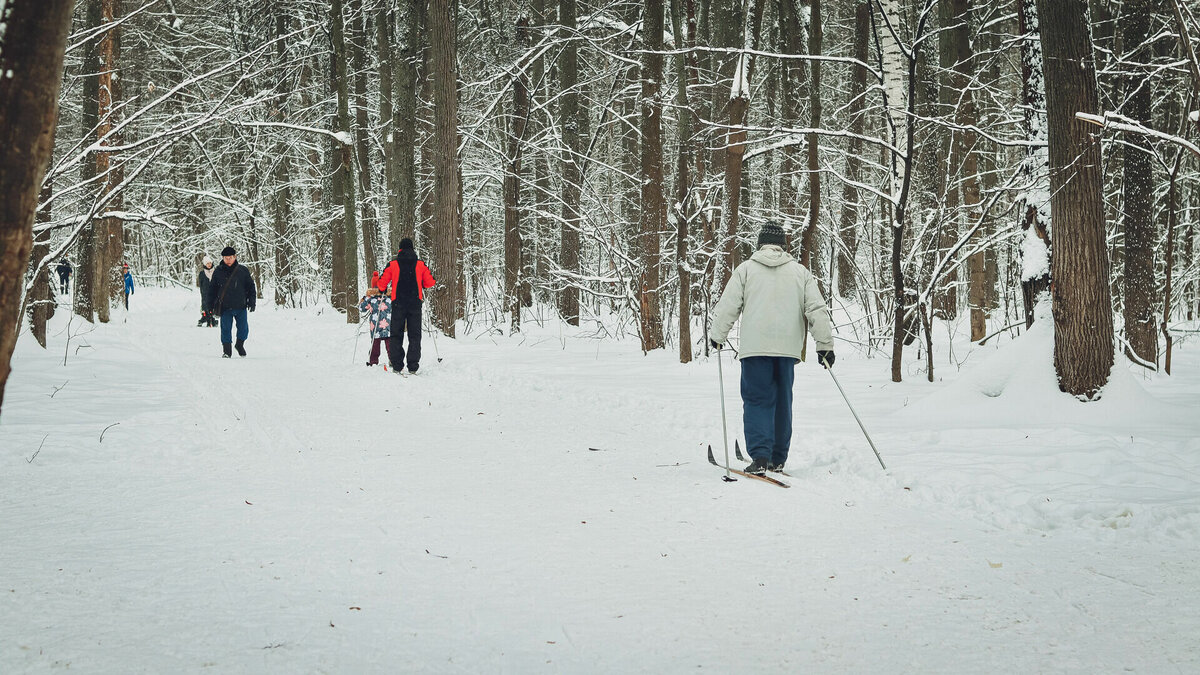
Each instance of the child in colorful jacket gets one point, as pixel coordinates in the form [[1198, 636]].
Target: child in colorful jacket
[[379, 317]]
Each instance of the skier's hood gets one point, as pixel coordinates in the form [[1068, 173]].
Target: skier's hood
[[771, 256]]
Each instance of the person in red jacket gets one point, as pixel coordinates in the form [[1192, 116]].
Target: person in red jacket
[[408, 278]]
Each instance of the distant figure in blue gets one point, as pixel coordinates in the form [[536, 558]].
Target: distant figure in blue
[[64, 270], [128, 286], [230, 294]]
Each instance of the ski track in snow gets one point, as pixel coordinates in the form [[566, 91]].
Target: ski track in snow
[[294, 511]]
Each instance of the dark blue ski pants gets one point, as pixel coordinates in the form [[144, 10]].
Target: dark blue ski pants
[[767, 406]]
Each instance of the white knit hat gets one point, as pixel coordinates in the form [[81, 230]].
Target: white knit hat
[[207, 260]]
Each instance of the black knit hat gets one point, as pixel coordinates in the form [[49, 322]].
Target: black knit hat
[[228, 250], [771, 233], [406, 244]]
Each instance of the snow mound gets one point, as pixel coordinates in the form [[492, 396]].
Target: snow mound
[[1018, 385]]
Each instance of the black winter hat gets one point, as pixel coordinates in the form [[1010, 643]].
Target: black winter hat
[[406, 244], [771, 233], [228, 250]]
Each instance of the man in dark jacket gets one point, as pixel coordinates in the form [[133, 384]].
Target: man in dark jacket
[[64, 275], [409, 277], [230, 293]]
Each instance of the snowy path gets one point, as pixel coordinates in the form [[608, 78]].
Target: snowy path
[[295, 511]]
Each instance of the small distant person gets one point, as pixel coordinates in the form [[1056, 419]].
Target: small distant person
[[778, 301], [230, 294], [64, 270], [204, 281], [128, 285], [408, 277], [379, 317]]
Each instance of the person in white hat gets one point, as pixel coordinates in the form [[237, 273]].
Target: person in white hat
[[203, 280]]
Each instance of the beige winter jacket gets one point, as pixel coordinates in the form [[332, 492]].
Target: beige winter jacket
[[778, 301]]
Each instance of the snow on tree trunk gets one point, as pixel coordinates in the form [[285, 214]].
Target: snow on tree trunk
[[1034, 200]]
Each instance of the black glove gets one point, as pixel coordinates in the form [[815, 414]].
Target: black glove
[[715, 345], [825, 357], [251, 308]]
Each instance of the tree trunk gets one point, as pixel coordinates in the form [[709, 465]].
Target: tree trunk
[[110, 236], [387, 53], [654, 201], [407, 86], [41, 296], [949, 186], [345, 165], [371, 243], [446, 189], [1141, 231], [1083, 328], [573, 148], [792, 80], [1034, 207], [847, 278], [735, 141], [33, 53], [808, 243], [285, 280], [513, 243], [683, 181], [966, 118], [88, 262]]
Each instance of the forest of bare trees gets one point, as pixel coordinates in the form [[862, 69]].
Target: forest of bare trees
[[939, 164]]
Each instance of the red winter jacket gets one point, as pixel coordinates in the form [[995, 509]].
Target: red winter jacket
[[392, 276]]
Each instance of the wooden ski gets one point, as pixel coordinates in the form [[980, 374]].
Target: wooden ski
[[766, 479]]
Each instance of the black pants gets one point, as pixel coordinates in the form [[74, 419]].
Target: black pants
[[405, 319], [62, 281]]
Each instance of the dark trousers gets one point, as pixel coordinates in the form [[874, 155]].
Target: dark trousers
[[767, 406], [227, 319], [405, 319], [376, 344], [63, 282]]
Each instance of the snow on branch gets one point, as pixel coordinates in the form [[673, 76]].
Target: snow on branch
[[1111, 120]]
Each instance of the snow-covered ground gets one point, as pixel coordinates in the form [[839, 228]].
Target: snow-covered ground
[[542, 503]]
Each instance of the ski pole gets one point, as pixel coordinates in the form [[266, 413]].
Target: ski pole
[[856, 419], [724, 426], [433, 331]]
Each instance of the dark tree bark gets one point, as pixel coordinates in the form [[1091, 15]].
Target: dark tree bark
[[446, 189], [41, 296], [285, 281], [110, 234], [33, 53], [88, 260], [369, 220], [407, 136], [388, 54], [1083, 327], [1141, 231], [513, 240], [683, 188], [808, 243], [573, 149], [654, 201], [847, 279], [344, 160]]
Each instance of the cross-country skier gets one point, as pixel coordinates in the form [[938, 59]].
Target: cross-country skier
[[409, 277], [778, 301]]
